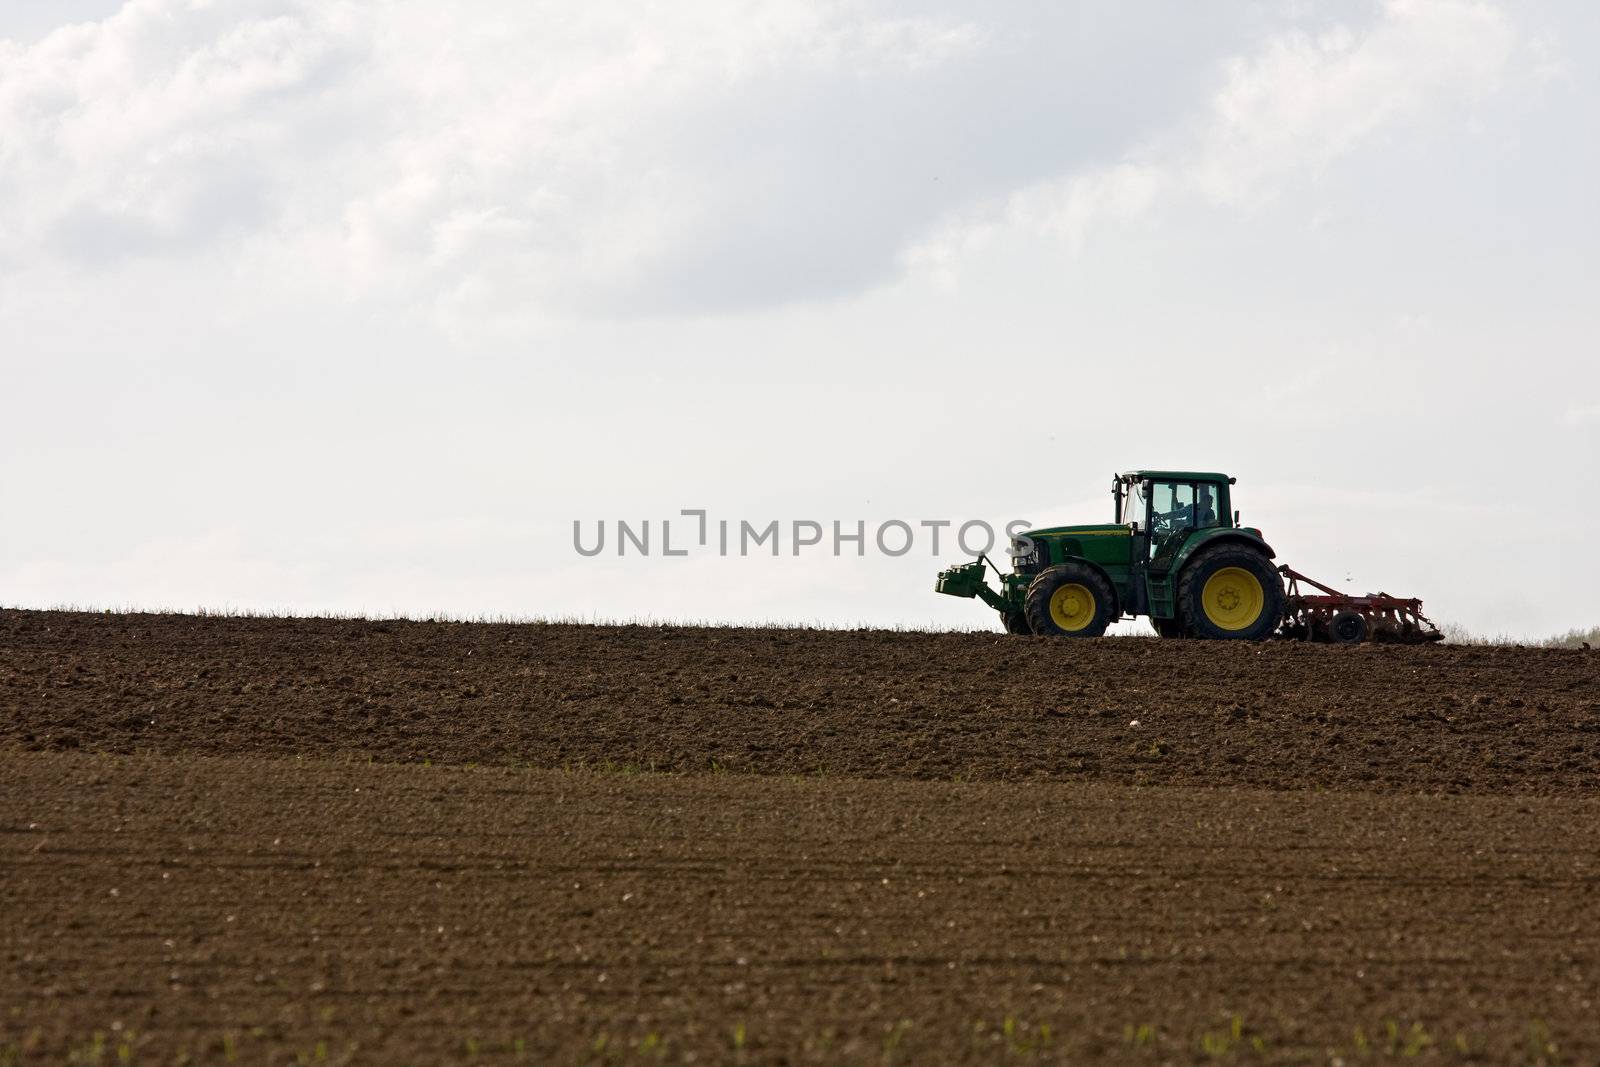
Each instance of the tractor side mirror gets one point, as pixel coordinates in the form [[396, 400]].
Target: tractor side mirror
[[1235, 517]]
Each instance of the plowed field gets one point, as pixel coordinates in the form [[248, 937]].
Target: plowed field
[[262, 840]]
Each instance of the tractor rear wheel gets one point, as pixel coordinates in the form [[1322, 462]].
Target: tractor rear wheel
[[1230, 592], [1071, 599], [1015, 623]]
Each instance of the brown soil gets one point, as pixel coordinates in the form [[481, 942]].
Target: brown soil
[[414, 914], [1346, 854], [1281, 715]]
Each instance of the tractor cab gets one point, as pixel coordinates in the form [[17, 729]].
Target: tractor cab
[[1167, 501], [1163, 508]]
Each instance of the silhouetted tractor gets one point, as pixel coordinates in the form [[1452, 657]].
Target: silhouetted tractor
[[1177, 554]]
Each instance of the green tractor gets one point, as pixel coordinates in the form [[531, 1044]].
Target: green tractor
[[1175, 553]]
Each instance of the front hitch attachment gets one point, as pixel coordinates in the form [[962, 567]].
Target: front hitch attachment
[[966, 580]]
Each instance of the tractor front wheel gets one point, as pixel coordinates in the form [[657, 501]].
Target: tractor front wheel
[[1071, 599], [1230, 592], [1015, 623]]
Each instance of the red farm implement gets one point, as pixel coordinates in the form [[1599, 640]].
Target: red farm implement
[[1347, 620]]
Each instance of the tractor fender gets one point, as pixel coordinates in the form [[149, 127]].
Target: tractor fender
[[1224, 535], [1101, 571]]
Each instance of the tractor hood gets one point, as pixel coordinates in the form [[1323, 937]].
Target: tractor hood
[[1107, 529], [1105, 544]]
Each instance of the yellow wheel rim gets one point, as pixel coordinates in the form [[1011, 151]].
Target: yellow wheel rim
[[1072, 607], [1233, 598]]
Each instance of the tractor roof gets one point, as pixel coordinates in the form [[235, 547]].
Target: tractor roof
[[1178, 476]]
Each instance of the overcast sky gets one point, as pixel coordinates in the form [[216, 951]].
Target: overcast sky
[[331, 306]]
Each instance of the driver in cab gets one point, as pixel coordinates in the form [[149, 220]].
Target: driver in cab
[[1203, 512]]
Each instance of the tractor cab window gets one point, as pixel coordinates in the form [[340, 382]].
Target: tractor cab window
[[1131, 503], [1181, 506], [1172, 508]]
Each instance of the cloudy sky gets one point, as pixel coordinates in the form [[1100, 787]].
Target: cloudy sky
[[358, 306]]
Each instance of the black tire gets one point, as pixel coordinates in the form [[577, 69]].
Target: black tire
[[1168, 627], [1230, 619], [1090, 595], [1015, 623], [1347, 628]]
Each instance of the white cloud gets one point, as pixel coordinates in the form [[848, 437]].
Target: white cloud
[[564, 154], [1287, 109], [484, 159], [1580, 414], [163, 126], [1303, 100]]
